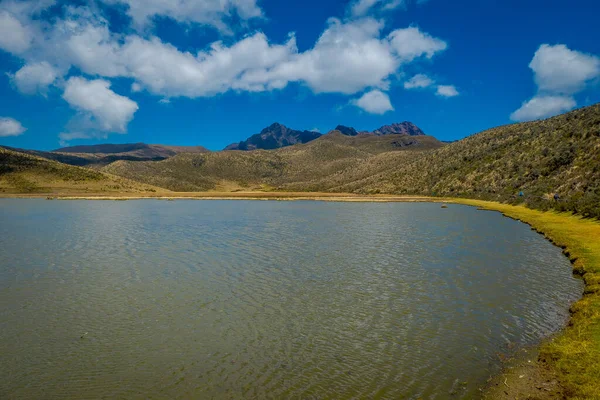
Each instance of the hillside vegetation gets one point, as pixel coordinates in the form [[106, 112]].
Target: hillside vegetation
[[300, 164], [25, 173], [526, 163], [559, 155]]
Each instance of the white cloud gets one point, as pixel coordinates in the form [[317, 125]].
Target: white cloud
[[543, 107], [374, 102], [136, 87], [207, 12], [102, 108], [35, 77], [163, 69], [66, 137], [362, 57], [447, 91], [418, 81], [10, 127], [558, 69], [411, 43], [14, 37], [26, 8], [347, 58], [559, 73], [359, 8]]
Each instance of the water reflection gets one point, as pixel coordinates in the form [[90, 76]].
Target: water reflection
[[221, 299]]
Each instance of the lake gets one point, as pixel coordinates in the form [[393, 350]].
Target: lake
[[268, 299]]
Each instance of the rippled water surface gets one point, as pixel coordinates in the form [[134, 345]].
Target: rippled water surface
[[257, 299]]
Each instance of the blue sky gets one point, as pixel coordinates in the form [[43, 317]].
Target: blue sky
[[213, 72]]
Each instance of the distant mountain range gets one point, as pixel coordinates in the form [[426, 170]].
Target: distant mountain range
[[527, 162], [278, 135], [103, 154], [141, 150]]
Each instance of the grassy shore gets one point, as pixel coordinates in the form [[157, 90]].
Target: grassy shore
[[574, 354], [572, 357]]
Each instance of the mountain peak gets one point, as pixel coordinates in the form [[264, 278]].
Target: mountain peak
[[402, 128], [398, 128], [274, 136], [346, 130]]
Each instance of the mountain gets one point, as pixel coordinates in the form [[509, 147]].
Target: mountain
[[403, 128], [520, 163], [558, 155], [26, 173], [346, 130], [278, 135], [324, 159], [274, 137]]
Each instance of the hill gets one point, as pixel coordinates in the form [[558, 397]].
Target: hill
[[559, 155], [26, 173], [96, 156], [140, 150], [298, 164]]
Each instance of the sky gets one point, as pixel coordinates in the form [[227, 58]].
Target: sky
[[214, 72]]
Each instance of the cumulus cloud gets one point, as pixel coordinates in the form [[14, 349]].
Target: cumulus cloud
[[543, 107], [14, 36], [347, 58], [211, 12], [447, 91], [374, 102], [559, 74], [10, 127], [99, 105], [411, 43], [557, 69], [350, 56], [35, 77], [418, 81]]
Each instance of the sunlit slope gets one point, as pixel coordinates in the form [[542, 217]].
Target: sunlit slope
[[25, 173], [299, 165], [558, 155]]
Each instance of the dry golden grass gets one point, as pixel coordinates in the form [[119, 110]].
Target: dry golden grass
[[27, 174]]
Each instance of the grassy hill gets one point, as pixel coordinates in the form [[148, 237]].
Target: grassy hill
[[538, 159], [236, 170], [520, 163], [26, 173], [558, 155], [97, 156]]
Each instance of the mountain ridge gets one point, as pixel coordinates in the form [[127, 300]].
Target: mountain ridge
[[278, 135]]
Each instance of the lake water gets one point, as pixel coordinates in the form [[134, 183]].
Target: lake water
[[265, 299]]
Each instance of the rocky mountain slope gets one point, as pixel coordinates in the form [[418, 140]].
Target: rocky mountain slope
[[274, 137], [277, 136]]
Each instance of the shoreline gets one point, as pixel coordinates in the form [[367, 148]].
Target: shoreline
[[280, 196], [566, 364]]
